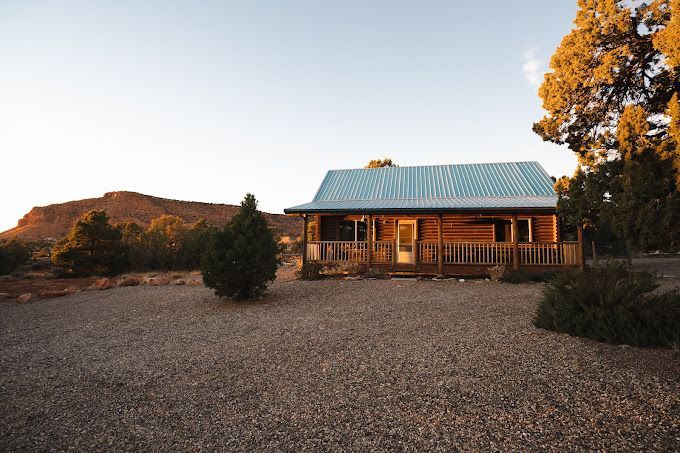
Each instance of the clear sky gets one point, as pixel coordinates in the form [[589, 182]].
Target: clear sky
[[206, 100]]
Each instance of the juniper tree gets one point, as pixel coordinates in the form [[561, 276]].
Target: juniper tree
[[241, 259], [612, 98]]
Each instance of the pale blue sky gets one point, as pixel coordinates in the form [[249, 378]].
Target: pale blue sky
[[205, 101]]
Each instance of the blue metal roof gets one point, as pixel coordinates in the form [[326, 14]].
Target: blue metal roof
[[433, 188]]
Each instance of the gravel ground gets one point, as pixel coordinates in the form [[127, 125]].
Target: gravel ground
[[329, 365]]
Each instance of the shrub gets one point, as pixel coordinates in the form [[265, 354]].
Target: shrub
[[611, 304], [13, 253], [496, 272], [296, 246], [375, 273], [311, 270], [545, 276], [193, 244], [241, 259], [92, 247], [518, 276]]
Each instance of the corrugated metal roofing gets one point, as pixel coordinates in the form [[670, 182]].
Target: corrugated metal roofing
[[440, 187]]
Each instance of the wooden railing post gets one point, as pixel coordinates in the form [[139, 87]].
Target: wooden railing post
[[440, 247], [581, 252], [369, 238], [304, 239], [515, 243]]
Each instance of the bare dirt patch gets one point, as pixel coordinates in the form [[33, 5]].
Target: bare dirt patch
[[359, 365], [37, 285]]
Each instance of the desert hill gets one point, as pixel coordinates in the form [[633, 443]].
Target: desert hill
[[55, 220]]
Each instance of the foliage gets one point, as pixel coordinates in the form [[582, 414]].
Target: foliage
[[241, 259], [522, 276], [92, 247], [612, 97], [13, 253], [131, 236], [614, 56], [496, 272], [167, 244], [611, 304], [163, 241], [516, 276], [375, 273], [296, 246], [193, 244], [377, 163], [311, 270]]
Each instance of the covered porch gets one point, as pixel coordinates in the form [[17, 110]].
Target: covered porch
[[439, 244]]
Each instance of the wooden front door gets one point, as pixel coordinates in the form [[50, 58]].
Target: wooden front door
[[406, 236]]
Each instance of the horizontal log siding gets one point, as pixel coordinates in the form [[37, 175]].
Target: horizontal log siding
[[455, 227], [386, 229], [543, 228], [465, 227]]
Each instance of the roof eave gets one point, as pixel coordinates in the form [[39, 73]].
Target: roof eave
[[497, 210]]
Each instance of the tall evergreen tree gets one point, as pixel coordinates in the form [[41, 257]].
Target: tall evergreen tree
[[241, 259], [92, 247]]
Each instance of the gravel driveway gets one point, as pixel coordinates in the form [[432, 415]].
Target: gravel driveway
[[329, 365]]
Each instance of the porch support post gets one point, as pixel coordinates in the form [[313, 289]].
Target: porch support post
[[304, 239], [581, 254], [440, 247], [394, 253], [369, 238], [318, 228], [515, 244]]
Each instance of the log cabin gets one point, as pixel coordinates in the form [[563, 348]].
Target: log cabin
[[437, 220]]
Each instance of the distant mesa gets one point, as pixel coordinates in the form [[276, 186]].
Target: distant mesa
[[55, 220]]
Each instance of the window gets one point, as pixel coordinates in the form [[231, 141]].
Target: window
[[502, 230], [361, 231], [346, 230], [354, 230], [523, 230]]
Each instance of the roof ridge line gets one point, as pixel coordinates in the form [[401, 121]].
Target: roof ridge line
[[442, 165]]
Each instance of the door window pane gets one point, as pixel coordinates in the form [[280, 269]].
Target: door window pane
[[405, 237]]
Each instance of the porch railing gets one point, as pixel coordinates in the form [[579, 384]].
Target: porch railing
[[492, 253], [483, 253], [349, 251]]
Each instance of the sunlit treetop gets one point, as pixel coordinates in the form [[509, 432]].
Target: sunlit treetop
[[617, 55]]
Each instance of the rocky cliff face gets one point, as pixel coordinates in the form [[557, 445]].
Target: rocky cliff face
[[55, 220]]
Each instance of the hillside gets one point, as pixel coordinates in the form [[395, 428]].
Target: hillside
[[55, 220]]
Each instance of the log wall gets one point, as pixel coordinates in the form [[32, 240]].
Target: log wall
[[455, 227]]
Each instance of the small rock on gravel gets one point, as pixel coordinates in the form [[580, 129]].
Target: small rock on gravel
[[25, 298]]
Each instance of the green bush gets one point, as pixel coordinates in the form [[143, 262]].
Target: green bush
[[611, 304], [519, 276], [241, 259], [311, 270], [13, 253], [545, 276]]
